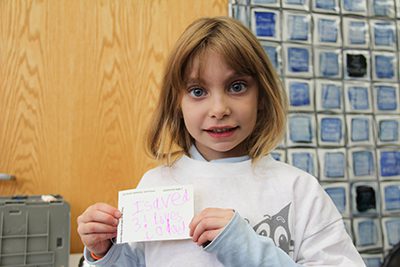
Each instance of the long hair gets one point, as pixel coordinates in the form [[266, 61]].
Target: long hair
[[168, 137]]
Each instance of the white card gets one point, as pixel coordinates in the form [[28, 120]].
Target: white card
[[162, 213]]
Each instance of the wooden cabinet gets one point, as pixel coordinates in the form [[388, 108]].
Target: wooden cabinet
[[78, 82]]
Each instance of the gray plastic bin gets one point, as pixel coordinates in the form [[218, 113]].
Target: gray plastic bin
[[34, 232]]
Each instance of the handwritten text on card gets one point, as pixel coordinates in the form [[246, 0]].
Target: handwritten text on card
[[155, 214]]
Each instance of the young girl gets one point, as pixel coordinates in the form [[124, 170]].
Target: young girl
[[221, 111]]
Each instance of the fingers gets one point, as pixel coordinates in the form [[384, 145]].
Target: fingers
[[96, 225], [102, 213], [207, 213], [95, 228], [208, 237], [206, 225], [209, 223]]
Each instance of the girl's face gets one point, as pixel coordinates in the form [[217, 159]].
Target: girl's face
[[219, 107]]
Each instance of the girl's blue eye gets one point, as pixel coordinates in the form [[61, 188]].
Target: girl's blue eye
[[238, 87], [197, 92]]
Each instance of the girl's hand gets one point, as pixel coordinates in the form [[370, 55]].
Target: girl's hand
[[97, 225], [206, 225]]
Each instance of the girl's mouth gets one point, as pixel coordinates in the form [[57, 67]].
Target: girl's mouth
[[221, 131]]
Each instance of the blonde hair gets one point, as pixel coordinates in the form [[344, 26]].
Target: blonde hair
[[167, 136]]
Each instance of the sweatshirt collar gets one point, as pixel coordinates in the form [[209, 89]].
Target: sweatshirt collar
[[195, 154]]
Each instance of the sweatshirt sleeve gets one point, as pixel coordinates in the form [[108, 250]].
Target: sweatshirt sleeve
[[331, 247], [128, 255], [238, 245], [322, 237]]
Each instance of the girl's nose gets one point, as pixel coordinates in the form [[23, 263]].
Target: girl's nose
[[219, 108]]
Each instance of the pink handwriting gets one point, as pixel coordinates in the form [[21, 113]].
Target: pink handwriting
[[165, 201], [158, 217], [159, 224]]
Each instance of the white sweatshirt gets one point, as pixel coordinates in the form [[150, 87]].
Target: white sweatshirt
[[283, 218]]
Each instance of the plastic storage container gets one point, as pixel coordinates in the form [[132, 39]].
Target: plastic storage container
[[34, 232]]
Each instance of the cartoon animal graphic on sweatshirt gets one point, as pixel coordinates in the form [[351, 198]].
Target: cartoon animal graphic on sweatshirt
[[276, 227]]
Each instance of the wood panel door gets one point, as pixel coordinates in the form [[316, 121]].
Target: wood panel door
[[78, 82]]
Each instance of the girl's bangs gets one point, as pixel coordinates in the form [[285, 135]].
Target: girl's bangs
[[233, 56], [236, 58]]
